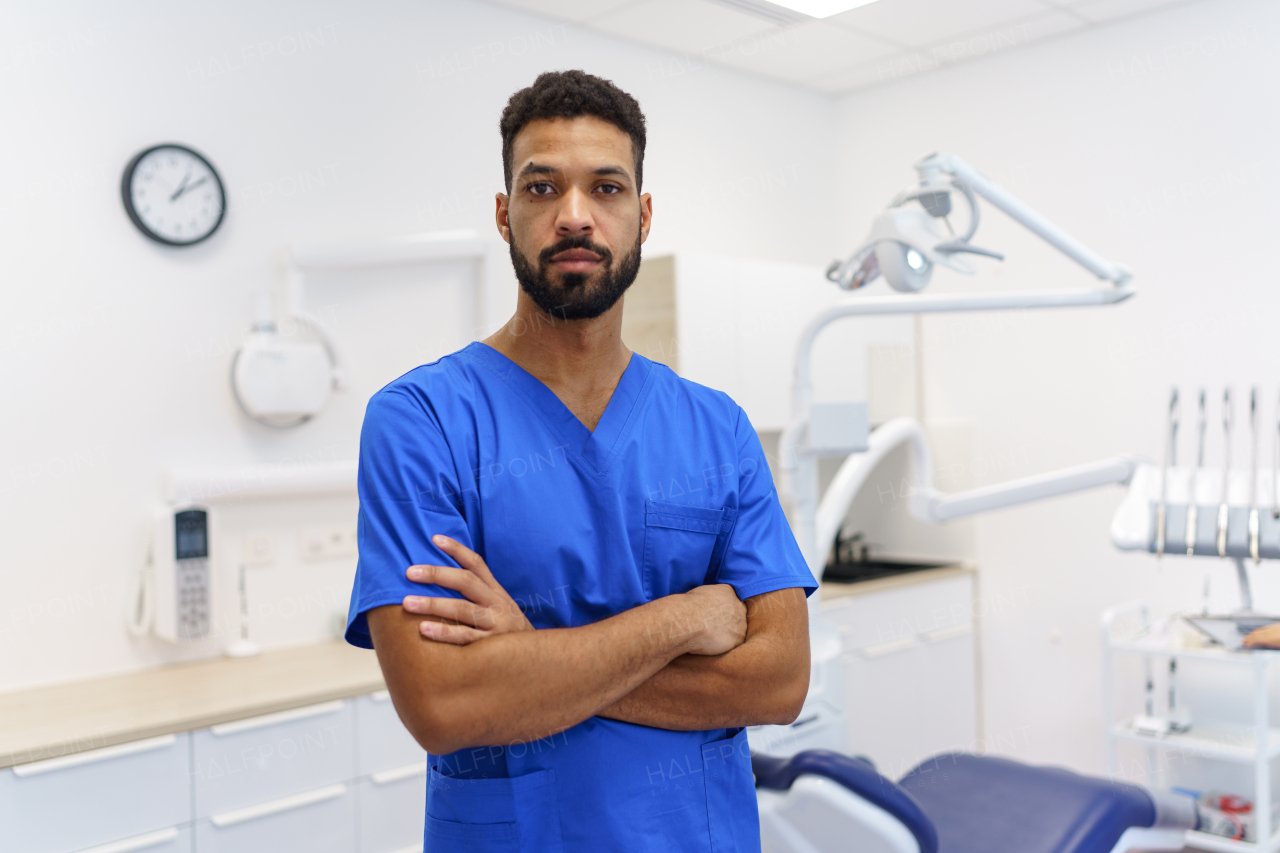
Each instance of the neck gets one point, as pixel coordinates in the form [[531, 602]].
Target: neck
[[574, 356]]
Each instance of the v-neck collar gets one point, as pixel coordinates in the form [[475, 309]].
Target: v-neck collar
[[595, 448]]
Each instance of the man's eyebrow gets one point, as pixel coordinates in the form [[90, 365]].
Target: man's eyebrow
[[532, 168], [612, 170]]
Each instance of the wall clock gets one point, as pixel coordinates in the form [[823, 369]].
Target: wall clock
[[173, 195]]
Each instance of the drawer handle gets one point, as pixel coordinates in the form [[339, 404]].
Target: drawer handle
[[386, 777], [93, 755], [882, 649], [138, 842], [283, 804], [278, 717], [950, 633]]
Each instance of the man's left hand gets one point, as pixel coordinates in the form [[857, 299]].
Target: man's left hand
[[485, 610]]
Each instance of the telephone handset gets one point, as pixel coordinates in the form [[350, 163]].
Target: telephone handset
[[175, 593]]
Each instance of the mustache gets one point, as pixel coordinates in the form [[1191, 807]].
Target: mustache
[[544, 257]]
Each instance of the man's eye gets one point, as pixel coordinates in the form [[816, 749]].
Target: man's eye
[[541, 188], [610, 189]]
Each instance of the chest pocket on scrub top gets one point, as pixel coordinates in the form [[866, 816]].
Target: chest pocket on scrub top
[[683, 546]]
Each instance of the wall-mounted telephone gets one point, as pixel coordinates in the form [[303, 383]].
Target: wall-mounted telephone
[[174, 597]]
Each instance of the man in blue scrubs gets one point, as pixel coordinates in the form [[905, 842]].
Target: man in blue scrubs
[[573, 564]]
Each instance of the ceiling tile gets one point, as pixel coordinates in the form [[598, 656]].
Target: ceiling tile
[[803, 50], [1011, 34], [1100, 11], [918, 22], [576, 11], [949, 51], [689, 26], [864, 74]]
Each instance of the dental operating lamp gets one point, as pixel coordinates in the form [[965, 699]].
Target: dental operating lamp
[[907, 241]]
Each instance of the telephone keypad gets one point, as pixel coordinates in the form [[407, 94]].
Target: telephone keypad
[[193, 597]]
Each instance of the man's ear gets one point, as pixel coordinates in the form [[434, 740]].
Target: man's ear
[[646, 216], [500, 216]]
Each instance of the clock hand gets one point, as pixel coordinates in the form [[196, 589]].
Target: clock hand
[[193, 186], [181, 188]]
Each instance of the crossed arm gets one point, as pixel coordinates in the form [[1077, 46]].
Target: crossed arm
[[473, 671]]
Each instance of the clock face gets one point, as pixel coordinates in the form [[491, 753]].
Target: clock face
[[173, 195]]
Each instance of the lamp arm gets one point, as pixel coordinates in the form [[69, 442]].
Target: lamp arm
[[966, 175], [932, 507]]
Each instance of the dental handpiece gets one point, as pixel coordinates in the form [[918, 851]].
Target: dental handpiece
[[1226, 472], [1170, 459], [1192, 513], [1253, 475]]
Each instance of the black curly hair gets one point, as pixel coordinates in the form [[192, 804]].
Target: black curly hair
[[570, 94]]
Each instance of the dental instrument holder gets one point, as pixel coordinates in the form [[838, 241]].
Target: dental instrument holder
[[1136, 526]]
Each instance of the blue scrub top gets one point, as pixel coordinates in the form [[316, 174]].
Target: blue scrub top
[[670, 491]]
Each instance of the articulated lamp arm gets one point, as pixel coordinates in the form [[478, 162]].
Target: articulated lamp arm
[[933, 507]]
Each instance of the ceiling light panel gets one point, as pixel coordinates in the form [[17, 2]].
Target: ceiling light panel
[[822, 8]]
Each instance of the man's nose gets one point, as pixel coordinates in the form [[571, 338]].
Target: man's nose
[[574, 217]]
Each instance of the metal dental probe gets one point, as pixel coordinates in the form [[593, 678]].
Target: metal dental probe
[[1253, 475], [1226, 471], [1170, 459], [1201, 424]]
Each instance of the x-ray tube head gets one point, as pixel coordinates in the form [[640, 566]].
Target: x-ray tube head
[[903, 267]]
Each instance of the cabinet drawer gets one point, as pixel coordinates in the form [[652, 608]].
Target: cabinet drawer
[[321, 820], [171, 840], [907, 703], [263, 758], [92, 798], [382, 740], [892, 615], [393, 807]]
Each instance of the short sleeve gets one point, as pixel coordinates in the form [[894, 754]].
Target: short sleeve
[[409, 491], [762, 554]]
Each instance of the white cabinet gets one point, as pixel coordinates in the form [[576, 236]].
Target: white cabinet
[[337, 777], [384, 742], [910, 666], [132, 791], [321, 820], [264, 758], [393, 809]]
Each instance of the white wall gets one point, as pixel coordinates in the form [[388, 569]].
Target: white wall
[[330, 120], [1151, 141]]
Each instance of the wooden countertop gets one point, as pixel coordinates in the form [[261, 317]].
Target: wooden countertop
[[48, 722], [831, 590]]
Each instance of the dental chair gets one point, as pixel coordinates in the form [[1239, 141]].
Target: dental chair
[[820, 801]]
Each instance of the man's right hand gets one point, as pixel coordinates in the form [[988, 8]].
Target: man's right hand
[[719, 619]]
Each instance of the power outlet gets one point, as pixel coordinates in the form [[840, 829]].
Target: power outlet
[[259, 549], [328, 542]]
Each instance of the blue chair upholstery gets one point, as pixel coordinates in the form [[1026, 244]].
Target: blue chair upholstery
[[777, 774], [982, 804], [961, 803]]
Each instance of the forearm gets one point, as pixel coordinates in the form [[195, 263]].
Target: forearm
[[746, 687], [527, 685], [762, 681]]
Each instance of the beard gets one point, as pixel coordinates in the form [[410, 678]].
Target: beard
[[579, 296]]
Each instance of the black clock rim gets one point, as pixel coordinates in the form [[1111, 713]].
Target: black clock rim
[[127, 180]]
